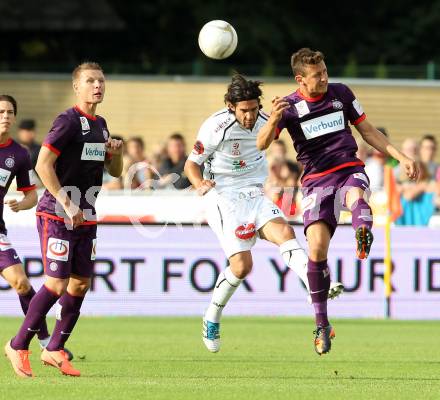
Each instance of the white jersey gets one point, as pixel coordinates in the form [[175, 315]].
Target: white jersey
[[229, 152]]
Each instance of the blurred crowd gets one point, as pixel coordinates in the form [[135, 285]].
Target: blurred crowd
[[163, 169]]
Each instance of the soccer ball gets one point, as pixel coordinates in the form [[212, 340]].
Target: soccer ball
[[218, 39]]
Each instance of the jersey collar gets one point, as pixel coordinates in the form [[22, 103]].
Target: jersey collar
[[88, 116], [310, 99]]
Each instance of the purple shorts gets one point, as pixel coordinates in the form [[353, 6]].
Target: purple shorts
[[8, 255], [65, 252], [324, 197]]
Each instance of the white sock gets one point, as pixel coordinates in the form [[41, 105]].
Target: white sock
[[44, 342], [296, 258], [225, 287]]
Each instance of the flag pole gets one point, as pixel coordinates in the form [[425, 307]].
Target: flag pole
[[387, 258]]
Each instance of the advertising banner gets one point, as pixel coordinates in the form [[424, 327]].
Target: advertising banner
[[171, 270]]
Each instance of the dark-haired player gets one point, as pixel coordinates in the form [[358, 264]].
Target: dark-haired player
[[238, 211], [70, 165], [317, 117]]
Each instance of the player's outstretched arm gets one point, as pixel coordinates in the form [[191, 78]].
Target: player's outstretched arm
[[114, 164], [46, 171], [192, 171], [268, 132], [29, 200], [380, 142]]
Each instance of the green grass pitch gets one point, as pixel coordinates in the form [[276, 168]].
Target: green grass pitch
[[261, 358]]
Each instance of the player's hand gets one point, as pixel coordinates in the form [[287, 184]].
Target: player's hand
[[114, 146], [205, 186], [412, 169], [75, 215], [13, 204], [278, 107]]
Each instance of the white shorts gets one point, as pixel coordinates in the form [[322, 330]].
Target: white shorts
[[236, 216]]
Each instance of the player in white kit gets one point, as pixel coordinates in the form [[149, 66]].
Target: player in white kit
[[233, 178]]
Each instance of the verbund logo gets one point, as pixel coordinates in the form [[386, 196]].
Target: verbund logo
[[323, 125], [93, 152], [4, 177]]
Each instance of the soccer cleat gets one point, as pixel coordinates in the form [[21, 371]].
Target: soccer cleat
[[59, 359], [335, 290], [323, 338], [364, 240], [211, 335], [19, 360], [44, 342]]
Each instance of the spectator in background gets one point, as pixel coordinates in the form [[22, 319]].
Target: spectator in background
[[374, 165], [158, 155], [26, 137], [363, 150], [417, 199], [282, 184], [278, 150], [427, 151], [410, 148], [174, 163], [138, 172]]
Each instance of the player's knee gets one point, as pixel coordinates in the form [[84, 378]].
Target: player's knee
[[317, 252], [287, 233], [57, 286], [21, 285], [79, 288], [241, 268]]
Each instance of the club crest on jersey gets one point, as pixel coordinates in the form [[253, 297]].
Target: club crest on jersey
[[337, 105], [4, 177], [84, 125], [236, 149], [302, 108], [105, 134], [53, 266], [10, 162], [246, 231], [198, 148]]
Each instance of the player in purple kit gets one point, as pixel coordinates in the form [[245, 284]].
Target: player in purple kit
[[15, 163], [317, 117], [70, 165]]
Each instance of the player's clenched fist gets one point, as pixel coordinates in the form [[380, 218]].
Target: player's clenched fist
[[113, 146], [278, 106]]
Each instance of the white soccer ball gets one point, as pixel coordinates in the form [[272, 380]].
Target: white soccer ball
[[218, 39]]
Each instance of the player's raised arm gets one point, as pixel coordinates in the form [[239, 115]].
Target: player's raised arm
[[268, 132], [379, 141], [114, 163]]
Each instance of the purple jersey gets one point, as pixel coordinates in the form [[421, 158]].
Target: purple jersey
[[78, 139], [319, 129], [14, 162]]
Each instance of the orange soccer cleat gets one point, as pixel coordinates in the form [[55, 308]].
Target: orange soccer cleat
[[364, 240], [59, 359], [19, 360], [323, 338]]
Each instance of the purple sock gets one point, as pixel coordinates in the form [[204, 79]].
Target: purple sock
[[319, 282], [70, 306], [39, 306], [25, 300], [361, 214]]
